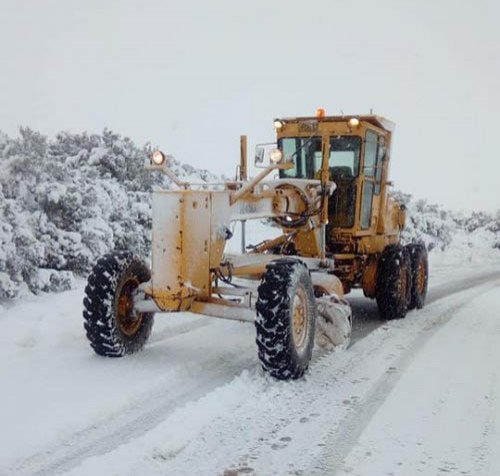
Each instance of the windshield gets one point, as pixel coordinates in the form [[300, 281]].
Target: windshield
[[306, 152], [306, 155]]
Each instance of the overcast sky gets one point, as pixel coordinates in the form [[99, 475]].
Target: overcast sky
[[192, 76]]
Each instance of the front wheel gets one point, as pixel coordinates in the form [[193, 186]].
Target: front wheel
[[286, 319], [112, 325]]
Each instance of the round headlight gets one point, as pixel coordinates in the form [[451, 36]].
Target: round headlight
[[158, 157], [353, 122], [275, 156], [278, 125]]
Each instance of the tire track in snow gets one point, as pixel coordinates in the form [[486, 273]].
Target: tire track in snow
[[366, 318], [278, 416], [341, 441], [110, 433]]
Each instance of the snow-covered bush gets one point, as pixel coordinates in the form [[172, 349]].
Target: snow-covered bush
[[67, 201], [428, 223], [471, 238]]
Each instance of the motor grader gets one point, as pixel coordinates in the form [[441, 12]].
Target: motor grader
[[325, 184]]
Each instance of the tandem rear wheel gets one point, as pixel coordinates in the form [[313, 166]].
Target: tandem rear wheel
[[402, 279]]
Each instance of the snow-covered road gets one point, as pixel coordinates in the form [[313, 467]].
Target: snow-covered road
[[417, 396]]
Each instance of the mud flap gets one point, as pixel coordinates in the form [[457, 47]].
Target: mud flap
[[333, 322]]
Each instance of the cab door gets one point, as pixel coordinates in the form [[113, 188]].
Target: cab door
[[372, 168]]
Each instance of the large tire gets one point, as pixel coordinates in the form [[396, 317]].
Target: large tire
[[286, 319], [419, 275], [113, 327], [393, 290]]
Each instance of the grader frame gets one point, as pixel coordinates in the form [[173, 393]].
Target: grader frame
[[190, 230]]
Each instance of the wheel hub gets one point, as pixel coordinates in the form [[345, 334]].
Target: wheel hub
[[421, 278], [127, 318], [300, 318]]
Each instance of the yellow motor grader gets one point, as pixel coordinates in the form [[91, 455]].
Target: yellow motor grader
[[325, 184]]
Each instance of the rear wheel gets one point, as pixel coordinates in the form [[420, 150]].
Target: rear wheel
[[419, 275], [393, 292], [286, 319], [112, 325]]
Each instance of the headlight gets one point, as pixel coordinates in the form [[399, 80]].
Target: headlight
[[275, 156], [158, 157], [278, 125], [353, 122]]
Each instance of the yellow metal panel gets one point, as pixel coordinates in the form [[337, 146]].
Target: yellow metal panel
[[181, 231], [196, 214], [167, 249]]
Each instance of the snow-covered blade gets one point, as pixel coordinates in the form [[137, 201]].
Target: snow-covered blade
[[333, 322]]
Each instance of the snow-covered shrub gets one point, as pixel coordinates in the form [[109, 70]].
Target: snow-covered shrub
[[445, 230], [67, 201], [8, 287], [50, 280]]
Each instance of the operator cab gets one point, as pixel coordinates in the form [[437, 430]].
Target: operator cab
[[356, 150]]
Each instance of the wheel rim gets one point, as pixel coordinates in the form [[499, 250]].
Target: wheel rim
[[300, 318], [127, 319], [421, 278]]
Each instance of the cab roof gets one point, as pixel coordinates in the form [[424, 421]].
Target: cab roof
[[378, 121]]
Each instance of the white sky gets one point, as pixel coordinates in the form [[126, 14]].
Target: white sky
[[192, 76]]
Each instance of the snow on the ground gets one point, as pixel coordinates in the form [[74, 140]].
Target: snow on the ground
[[259, 426], [443, 415], [53, 385], [194, 401]]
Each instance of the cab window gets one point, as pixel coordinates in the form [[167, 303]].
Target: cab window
[[371, 172], [305, 153], [382, 149], [344, 156], [371, 144]]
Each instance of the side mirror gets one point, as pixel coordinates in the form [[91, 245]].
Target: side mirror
[[260, 152], [266, 154]]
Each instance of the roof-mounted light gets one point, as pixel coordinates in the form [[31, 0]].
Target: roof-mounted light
[[278, 125], [320, 113], [353, 122]]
